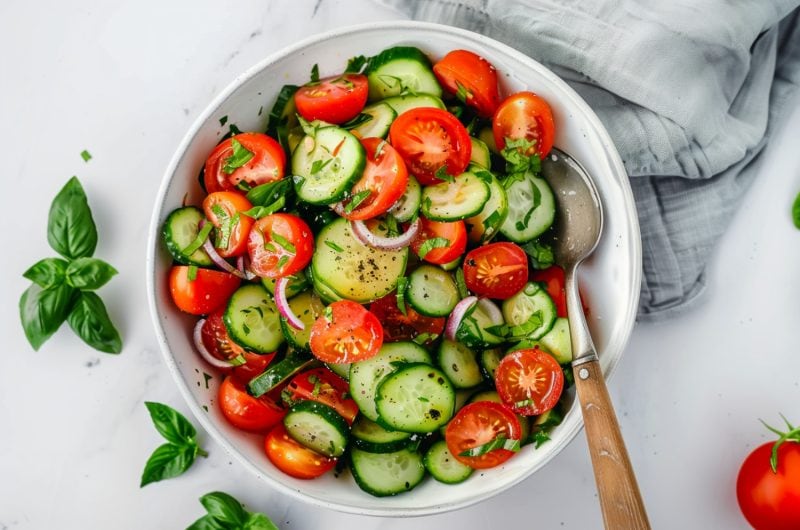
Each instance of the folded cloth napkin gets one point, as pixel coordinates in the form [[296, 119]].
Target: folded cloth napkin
[[689, 91]]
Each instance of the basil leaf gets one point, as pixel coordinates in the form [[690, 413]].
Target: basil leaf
[[171, 424], [356, 200], [259, 521], [47, 272], [270, 192], [402, 284], [224, 508], [89, 273], [70, 227], [42, 311], [796, 211], [167, 461], [241, 155], [541, 254], [355, 64], [315, 73], [539, 438], [90, 321], [500, 442], [206, 523], [430, 244], [257, 212]]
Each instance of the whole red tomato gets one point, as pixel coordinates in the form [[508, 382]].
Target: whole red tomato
[[768, 490]]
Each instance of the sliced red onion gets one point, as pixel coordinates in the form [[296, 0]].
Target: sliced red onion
[[338, 208], [491, 310], [219, 261], [366, 237], [201, 348], [457, 316], [283, 305], [243, 264]]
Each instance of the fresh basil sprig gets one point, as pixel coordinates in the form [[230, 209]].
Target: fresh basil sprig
[[226, 513], [177, 455], [62, 287]]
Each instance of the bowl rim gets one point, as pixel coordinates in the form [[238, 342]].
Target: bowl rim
[[574, 99]]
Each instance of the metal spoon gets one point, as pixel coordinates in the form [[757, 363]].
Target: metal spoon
[[578, 225]]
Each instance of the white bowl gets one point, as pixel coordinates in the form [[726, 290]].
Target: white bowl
[[610, 278]]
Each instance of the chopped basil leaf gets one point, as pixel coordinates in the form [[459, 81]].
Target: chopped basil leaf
[[198, 241], [539, 438], [315, 73], [270, 192], [86, 155], [392, 229], [796, 211], [521, 156], [240, 157], [328, 314], [500, 442], [313, 379], [422, 338], [356, 200], [191, 274], [223, 120], [284, 243], [430, 244], [402, 283], [541, 254], [334, 246], [356, 64], [257, 212], [462, 93], [442, 174], [524, 403], [463, 292], [282, 261], [361, 119], [319, 165]]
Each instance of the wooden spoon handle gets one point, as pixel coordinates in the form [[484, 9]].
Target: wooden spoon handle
[[620, 499]]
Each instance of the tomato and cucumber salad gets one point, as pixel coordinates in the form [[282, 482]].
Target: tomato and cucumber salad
[[360, 270]]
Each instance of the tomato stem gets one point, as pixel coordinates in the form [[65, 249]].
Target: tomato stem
[[793, 434]]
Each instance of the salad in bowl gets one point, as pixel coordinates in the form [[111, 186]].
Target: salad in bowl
[[369, 277]]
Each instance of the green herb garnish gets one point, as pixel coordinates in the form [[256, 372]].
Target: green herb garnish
[[499, 442], [226, 513], [402, 283], [356, 200], [62, 288], [198, 241], [430, 244], [442, 174], [356, 64], [191, 274], [284, 243], [86, 155], [240, 157], [315, 73], [334, 246], [177, 455]]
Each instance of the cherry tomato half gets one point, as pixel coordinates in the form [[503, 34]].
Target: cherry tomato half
[[477, 424], [455, 233], [529, 381], [323, 386], [524, 115], [207, 291], [346, 334], [398, 327], [385, 178], [470, 77], [334, 100], [771, 501], [496, 270], [280, 245], [429, 139], [294, 459], [226, 171], [221, 208], [243, 411]]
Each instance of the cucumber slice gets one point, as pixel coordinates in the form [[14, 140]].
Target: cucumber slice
[[356, 272], [530, 313], [400, 69], [297, 284], [340, 369], [485, 395], [384, 474], [531, 209], [415, 398], [443, 466], [307, 306], [292, 364], [369, 436], [432, 291], [557, 341], [476, 329], [489, 359], [486, 135], [408, 204], [456, 200], [327, 165], [318, 427], [283, 117], [325, 293], [378, 126], [401, 104], [366, 375], [460, 364], [180, 230], [252, 319], [480, 153], [484, 226]]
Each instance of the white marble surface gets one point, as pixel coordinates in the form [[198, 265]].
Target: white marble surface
[[125, 80]]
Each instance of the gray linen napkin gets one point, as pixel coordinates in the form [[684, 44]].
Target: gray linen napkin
[[689, 91]]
